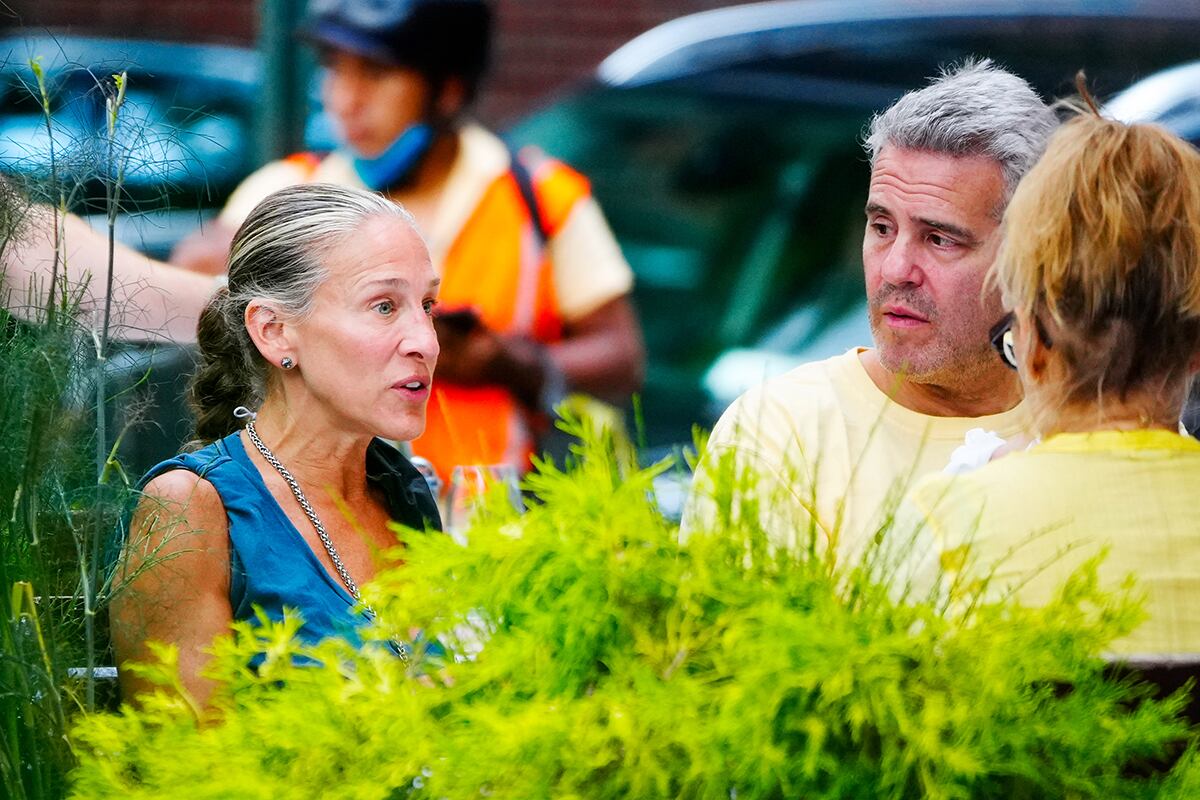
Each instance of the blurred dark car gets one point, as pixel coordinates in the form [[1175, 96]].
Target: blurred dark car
[[184, 136], [181, 138], [724, 149]]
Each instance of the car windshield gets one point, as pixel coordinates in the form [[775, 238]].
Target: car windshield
[[178, 132], [709, 197]]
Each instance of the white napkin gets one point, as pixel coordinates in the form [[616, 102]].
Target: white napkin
[[974, 452]]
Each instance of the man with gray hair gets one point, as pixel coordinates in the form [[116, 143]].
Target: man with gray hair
[[831, 445]]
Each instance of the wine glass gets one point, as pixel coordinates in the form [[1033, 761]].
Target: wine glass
[[469, 485]]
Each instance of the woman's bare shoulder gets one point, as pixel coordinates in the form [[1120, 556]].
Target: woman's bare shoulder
[[181, 498], [180, 486]]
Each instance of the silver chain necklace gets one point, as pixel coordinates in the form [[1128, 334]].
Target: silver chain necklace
[[322, 534]]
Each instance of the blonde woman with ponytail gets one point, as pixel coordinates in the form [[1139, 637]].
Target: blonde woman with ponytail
[[1100, 266], [320, 347]]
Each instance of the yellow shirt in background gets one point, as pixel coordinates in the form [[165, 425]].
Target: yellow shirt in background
[[823, 439], [589, 268], [1037, 515]]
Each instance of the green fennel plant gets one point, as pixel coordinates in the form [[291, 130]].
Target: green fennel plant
[[585, 651], [59, 502]]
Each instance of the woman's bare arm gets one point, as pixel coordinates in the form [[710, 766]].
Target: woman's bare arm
[[152, 301], [173, 579]]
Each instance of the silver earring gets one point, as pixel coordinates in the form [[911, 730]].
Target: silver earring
[[287, 363]]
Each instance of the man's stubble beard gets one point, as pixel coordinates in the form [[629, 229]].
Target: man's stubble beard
[[937, 362]]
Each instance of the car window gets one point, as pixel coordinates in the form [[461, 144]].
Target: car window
[[709, 198], [728, 211], [182, 140]]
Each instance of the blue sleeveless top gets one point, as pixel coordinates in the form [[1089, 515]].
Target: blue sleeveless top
[[271, 566]]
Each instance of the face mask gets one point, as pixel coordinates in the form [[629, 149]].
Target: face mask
[[396, 163]]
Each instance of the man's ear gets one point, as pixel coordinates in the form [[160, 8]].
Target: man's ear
[[268, 332], [451, 100]]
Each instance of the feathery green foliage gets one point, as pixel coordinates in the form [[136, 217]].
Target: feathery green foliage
[[591, 654], [58, 504], [43, 504]]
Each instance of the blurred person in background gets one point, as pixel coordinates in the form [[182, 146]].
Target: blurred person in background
[[831, 444], [534, 286], [1101, 268], [321, 345]]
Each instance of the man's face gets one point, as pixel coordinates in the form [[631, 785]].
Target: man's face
[[932, 234], [372, 103]]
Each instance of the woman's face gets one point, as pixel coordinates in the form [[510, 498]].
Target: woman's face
[[367, 352]]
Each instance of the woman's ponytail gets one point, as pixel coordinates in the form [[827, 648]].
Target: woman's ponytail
[[228, 375]]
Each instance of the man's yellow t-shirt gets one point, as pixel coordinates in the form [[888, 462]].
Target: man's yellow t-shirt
[[825, 444], [1037, 515]]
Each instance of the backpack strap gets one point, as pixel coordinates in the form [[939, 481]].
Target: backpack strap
[[524, 180]]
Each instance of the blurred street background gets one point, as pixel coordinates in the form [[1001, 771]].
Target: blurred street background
[[542, 46], [721, 141]]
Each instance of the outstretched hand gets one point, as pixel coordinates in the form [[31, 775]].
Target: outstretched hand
[[475, 355], [205, 251], [466, 351]]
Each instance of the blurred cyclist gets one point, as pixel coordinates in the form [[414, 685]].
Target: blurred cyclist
[[534, 294]]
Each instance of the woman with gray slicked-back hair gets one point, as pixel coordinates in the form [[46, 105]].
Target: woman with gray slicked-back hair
[[320, 347], [277, 255], [972, 109]]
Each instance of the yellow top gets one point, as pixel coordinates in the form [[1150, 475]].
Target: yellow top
[[826, 443], [1037, 515]]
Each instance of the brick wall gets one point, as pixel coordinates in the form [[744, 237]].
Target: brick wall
[[542, 46], [232, 21]]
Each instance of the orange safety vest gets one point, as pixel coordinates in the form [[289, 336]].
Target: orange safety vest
[[499, 266]]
